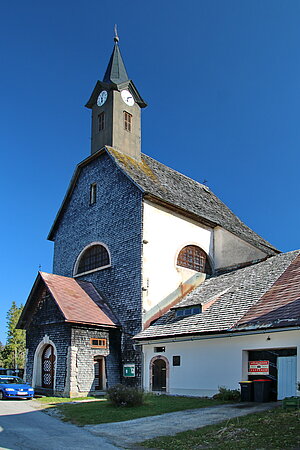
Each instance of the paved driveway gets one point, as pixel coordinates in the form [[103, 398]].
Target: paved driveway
[[22, 426], [133, 431]]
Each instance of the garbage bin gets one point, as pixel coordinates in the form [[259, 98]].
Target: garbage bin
[[246, 391], [262, 390]]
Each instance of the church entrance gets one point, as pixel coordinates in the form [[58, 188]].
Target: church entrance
[[159, 374], [99, 369], [48, 367]]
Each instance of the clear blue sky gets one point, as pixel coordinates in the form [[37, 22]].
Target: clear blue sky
[[222, 81]]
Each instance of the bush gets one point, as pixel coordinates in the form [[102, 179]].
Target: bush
[[227, 394], [121, 395]]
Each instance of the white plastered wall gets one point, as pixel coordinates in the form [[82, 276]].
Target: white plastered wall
[[165, 233], [231, 250], [209, 363]]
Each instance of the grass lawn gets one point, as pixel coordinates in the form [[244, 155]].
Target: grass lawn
[[274, 429], [94, 412]]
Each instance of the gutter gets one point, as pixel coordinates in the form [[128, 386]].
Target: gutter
[[214, 336]]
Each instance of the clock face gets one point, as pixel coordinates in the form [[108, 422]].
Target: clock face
[[102, 98], [127, 97]]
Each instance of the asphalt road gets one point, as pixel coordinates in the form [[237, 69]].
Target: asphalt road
[[23, 426]]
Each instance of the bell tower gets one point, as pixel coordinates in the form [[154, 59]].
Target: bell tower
[[116, 109]]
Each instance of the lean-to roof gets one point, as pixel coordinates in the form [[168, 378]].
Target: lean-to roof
[[264, 295]]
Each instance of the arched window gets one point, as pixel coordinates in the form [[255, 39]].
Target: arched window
[[94, 257], [193, 257]]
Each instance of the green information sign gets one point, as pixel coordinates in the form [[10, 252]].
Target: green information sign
[[129, 370]]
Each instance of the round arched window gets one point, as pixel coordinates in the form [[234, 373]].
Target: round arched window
[[193, 257], [94, 257]]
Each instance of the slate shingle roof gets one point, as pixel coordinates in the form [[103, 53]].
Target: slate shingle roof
[[176, 189], [116, 72], [237, 297], [280, 305]]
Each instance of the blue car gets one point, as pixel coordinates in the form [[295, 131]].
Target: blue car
[[14, 387]]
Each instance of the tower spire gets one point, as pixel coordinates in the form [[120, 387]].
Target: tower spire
[[116, 71]]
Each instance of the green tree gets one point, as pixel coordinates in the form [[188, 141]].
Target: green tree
[[13, 354], [1, 354]]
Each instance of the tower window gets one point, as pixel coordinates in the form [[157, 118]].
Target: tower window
[[93, 258], [193, 257], [127, 121], [101, 121], [93, 193]]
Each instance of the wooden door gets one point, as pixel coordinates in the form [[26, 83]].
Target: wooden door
[[159, 375], [99, 374], [48, 367]]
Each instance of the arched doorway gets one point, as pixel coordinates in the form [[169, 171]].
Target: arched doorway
[[48, 367], [99, 371], [159, 374]]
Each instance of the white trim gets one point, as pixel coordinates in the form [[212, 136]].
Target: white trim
[[97, 268], [37, 366]]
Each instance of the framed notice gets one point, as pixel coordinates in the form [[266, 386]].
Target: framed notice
[[258, 368], [129, 370]]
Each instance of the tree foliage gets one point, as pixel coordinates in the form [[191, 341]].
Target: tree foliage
[[12, 355]]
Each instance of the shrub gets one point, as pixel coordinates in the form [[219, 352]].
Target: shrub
[[121, 395], [227, 394]]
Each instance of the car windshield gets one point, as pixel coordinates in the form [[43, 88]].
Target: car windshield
[[11, 380]]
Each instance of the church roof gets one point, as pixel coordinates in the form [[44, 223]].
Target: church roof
[[178, 190], [116, 71], [261, 296], [79, 302]]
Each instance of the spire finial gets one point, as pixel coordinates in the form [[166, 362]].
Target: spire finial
[[116, 38]]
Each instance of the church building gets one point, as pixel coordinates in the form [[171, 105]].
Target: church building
[[155, 282]]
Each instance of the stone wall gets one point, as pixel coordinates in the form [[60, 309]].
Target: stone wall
[[47, 325], [85, 355], [115, 220]]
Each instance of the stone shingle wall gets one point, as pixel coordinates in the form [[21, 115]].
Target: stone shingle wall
[[85, 355], [47, 322], [116, 220]]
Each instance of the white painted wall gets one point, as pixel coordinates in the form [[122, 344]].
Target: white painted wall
[[167, 233], [231, 250], [209, 363]]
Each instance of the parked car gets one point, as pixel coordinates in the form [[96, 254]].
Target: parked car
[[14, 387]]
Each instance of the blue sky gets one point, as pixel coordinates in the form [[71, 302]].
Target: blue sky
[[222, 81]]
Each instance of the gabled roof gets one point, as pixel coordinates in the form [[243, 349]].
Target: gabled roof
[[263, 295], [79, 302], [176, 191]]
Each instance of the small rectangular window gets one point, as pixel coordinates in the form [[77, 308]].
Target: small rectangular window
[[93, 193], [159, 349], [176, 360], [183, 312], [98, 343], [127, 121], [101, 121]]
